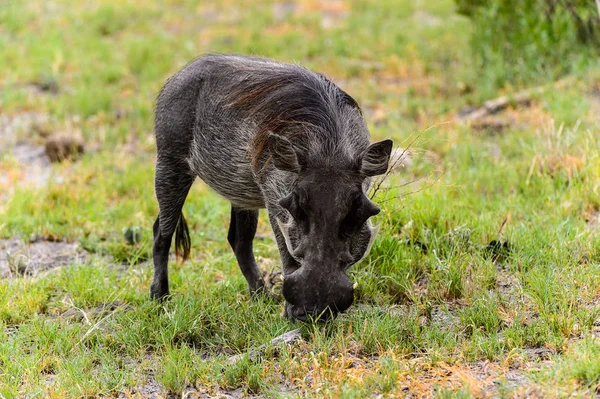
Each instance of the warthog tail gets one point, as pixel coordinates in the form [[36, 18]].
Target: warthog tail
[[182, 239]]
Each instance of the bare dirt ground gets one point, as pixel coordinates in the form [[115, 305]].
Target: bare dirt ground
[[33, 162], [18, 258], [153, 390]]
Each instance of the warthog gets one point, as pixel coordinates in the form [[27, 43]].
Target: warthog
[[266, 134]]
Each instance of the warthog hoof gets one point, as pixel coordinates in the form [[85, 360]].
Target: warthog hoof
[[158, 292]]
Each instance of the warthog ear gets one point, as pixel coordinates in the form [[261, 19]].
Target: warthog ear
[[374, 161], [283, 153]]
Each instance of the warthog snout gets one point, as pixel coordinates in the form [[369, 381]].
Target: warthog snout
[[313, 293]]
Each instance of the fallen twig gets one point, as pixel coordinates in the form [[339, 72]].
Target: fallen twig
[[287, 338], [498, 104]]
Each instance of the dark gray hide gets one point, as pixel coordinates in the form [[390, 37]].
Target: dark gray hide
[[265, 134]]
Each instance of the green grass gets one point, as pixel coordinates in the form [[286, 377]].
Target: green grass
[[434, 301]]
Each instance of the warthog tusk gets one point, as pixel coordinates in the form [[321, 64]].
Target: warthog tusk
[[355, 286]]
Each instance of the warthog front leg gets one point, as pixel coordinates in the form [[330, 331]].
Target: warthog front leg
[[242, 229]]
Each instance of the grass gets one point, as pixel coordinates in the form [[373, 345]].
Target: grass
[[437, 306]]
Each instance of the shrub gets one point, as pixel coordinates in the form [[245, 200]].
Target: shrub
[[520, 41]]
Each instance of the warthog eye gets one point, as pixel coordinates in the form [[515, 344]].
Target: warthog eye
[[292, 204], [361, 209]]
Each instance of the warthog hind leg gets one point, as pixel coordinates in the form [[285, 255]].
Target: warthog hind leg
[[172, 184]]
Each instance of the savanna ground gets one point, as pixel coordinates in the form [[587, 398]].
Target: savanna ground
[[485, 278]]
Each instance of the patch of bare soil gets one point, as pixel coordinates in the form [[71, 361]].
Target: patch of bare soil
[[18, 258], [203, 393], [32, 157], [29, 139], [481, 379], [444, 316], [486, 379], [13, 125], [517, 304], [592, 218], [152, 389]]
